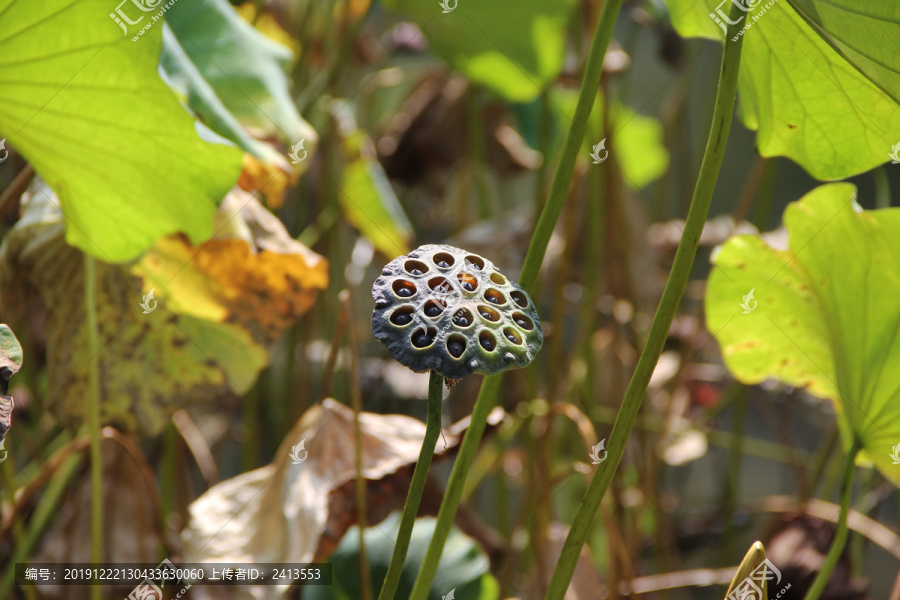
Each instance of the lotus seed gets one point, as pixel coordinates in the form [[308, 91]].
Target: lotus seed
[[487, 343], [421, 339], [456, 348], [401, 318], [404, 292], [432, 310]]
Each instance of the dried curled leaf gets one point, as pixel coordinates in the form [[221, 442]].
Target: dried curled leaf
[[10, 363], [285, 511], [204, 331]]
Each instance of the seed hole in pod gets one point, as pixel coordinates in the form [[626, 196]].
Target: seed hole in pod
[[443, 260], [512, 336], [439, 285], [402, 316], [404, 288], [519, 298], [433, 309], [522, 321], [462, 317], [498, 278], [474, 262], [422, 338], [494, 297], [488, 313], [467, 282], [487, 341], [456, 345], [415, 267]]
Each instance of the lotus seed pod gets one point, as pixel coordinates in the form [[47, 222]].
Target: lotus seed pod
[[443, 309]]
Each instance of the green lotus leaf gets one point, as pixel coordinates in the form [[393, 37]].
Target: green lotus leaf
[[805, 99], [463, 571], [821, 314], [865, 32], [244, 67], [86, 106], [514, 51]]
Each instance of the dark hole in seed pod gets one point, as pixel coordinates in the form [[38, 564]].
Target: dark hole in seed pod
[[456, 345], [403, 288], [487, 341], [433, 309], [443, 260], [422, 338], [415, 267], [440, 285], [474, 262], [467, 281], [489, 313], [523, 321], [462, 317], [512, 336], [402, 316], [494, 297], [519, 298], [498, 278]]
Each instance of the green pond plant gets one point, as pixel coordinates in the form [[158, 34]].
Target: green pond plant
[[826, 319], [450, 313], [559, 187]]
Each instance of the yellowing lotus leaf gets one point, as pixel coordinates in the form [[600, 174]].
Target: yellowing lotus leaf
[[200, 328]]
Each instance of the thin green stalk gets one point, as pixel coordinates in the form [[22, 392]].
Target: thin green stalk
[[455, 485], [681, 268], [18, 531], [47, 506], [735, 461], [559, 187], [365, 579], [487, 397], [416, 487], [93, 404], [840, 537]]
